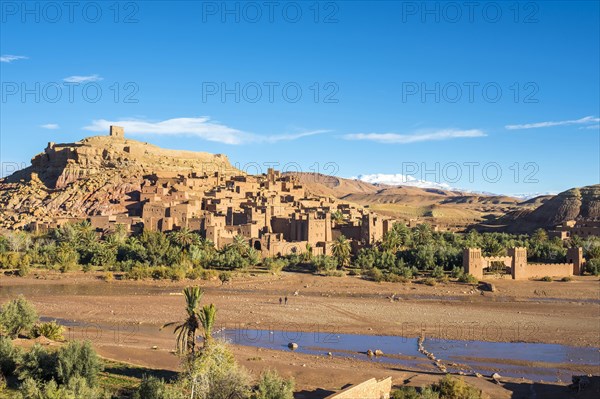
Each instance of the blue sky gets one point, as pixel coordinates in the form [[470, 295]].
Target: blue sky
[[435, 91]]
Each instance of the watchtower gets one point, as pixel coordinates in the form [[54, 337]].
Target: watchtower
[[117, 132], [575, 256], [473, 262], [519, 262]]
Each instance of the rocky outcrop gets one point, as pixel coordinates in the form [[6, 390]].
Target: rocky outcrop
[[95, 176], [573, 204]]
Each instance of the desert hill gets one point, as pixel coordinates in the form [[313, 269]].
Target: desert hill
[[576, 203], [453, 209], [92, 176]]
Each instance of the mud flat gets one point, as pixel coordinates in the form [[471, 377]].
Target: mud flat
[[123, 318]]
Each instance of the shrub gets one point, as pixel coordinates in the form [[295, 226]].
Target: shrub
[[405, 393], [77, 359], [51, 330], [225, 277], [272, 386], [76, 388], [457, 272], [566, 279], [213, 375], [152, 388], [9, 356], [275, 266], [177, 273], [546, 278], [37, 364], [139, 273], [374, 274], [17, 316], [468, 279], [430, 281], [592, 266], [24, 266], [454, 388], [194, 274], [335, 273], [209, 274], [438, 272], [108, 276]]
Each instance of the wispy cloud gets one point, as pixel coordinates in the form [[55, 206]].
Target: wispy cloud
[[51, 126], [11, 58], [582, 121], [82, 79], [202, 127], [395, 138], [590, 127]]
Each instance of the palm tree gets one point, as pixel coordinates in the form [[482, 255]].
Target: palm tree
[[392, 241], [341, 250], [240, 243], [186, 331], [207, 320], [185, 238]]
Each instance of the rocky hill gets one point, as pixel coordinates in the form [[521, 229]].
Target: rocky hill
[[90, 177], [576, 203]]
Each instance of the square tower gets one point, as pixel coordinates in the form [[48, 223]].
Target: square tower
[[473, 262], [117, 132]]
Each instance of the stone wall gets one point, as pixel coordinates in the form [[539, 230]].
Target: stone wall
[[539, 270], [370, 389]]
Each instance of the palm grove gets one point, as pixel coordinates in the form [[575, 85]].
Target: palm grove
[[403, 253]]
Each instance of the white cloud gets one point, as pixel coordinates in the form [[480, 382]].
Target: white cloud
[[202, 127], [11, 58], [395, 138], [581, 121], [51, 126], [591, 127], [82, 79]]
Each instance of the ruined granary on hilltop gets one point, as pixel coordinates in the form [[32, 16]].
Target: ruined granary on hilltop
[[273, 212], [516, 260]]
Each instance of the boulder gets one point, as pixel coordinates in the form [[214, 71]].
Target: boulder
[[293, 346]]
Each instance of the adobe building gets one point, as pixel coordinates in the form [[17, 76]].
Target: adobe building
[[117, 132], [476, 264], [580, 228]]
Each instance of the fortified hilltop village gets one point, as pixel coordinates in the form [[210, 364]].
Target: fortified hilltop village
[[169, 191]]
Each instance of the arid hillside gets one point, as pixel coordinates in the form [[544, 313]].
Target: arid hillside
[[576, 203], [96, 175], [453, 209]]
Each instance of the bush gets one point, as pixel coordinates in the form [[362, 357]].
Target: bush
[[468, 279], [430, 281], [17, 316], [194, 274], [225, 277], [405, 393], [209, 274], [275, 266], [546, 278], [24, 266], [37, 364], [592, 266], [76, 388], [9, 357], [152, 388], [51, 330], [566, 279], [139, 273], [454, 388], [108, 277], [438, 272], [457, 272], [374, 274], [213, 375], [272, 386], [77, 359]]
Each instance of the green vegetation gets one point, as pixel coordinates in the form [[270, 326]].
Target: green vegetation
[[17, 316], [547, 279], [51, 330], [272, 386], [403, 252], [446, 388], [186, 331]]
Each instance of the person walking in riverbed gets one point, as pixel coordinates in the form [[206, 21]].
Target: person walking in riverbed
[[286, 300], [280, 300]]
